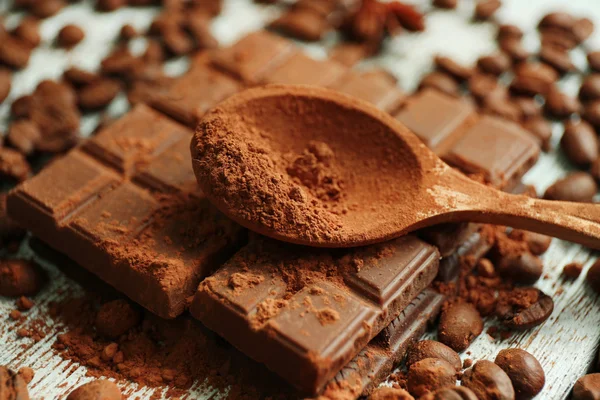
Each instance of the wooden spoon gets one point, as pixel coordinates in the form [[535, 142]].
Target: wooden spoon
[[390, 183]]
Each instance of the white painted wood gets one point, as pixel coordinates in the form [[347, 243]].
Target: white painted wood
[[565, 345]]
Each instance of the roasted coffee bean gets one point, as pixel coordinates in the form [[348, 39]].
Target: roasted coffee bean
[[70, 35], [541, 130], [524, 308], [572, 270], [14, 52], [537, 243], [594, 60], [432, 349], [46, 8], [454, 69], [494, 64], [29, 31], [5, 83], [98, 94], [388, 393], [577, 186], [501, 107], [12, 386], [591, 113], [587, 388], [79, 77], [451, 393], [21, 106], [460, 323], [483, 86], [488, 381], [560, 105], [593, 276], [559, 19], [557, 59], [524, 268], [13, 166], [580, 143], [533, 78], [590, 88], [485, 9], [554, 37], [23, 136], [514, 49], [428, 375], [98, 389], [508, 31], [127, 32], [447, 4], [441, 82], [524, 370], [528, 106], [109, 5], [583, 29]]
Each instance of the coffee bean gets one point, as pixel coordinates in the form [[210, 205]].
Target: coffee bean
[[388, 393], [451, 393], [529, 107], [587, 387], [524, 308], [593, 276], [13, 166], [508, 31], [524, 268], [594, 60], [560, 105], [483, 86], [557, 59], [127, 32], [98, 389], [432, 349], [70, 35], [459, 324], [109, 5], [533, 78], [577, 186], [12, 386], [501, 107], [98, 94], [23, 136], [580, 143], [79, 77], [5, 83], [454, 69], [514, 49], [29, 31], [485, 9], [590, 88], [537, 243], [488, 381], [583, 29], [494, 64], [541, 130], [46, 8], [14, 52], [591, 113], [524, 371], [21, 106], [441, 82], [447, 4], [428, 375], [560, 20], [572, 270]]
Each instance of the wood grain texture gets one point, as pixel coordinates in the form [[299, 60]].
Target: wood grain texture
[[566, 344]]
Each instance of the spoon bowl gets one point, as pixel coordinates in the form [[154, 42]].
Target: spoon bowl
[[316, 167]]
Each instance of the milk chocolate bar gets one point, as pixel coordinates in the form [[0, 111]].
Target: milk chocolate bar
[[305, 313], [125, 206]]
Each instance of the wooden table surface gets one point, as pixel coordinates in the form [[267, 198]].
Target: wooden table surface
[[566, 345]]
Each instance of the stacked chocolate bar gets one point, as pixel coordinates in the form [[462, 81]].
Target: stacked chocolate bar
[[125, 206]]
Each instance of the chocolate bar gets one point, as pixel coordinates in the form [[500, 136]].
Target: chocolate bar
[[125, 206], [306, 313]]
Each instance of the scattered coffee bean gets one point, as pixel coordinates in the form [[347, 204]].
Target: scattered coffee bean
[[593, 276], [488, 381], [594, 60], [98, 389], [495, 64], [454, 69], [541, 130], [459, 324], [501, 107], [428, 375], [529, 107], [587, 387], [560, 20], [388, 393], [46, 8], [524, 268], [432, 349], [572, 270], [514, 49], [98, 94], [524, 308], [447, 4], [524, 371], [79, 77], [485, 268], [29, 31], [21, 106], [583, 29], [537, 243], [577, 186], [116, 317], [560, 105], [508, 31], [590, 88], [26, 373], [580, 143], [451, 393], [5, 83], [533, 78], [14, 52], [441, 82], [127, 32], [70, 35], [13, 166], [483, 86], [20, 278], [485, 9], [557, 59], [12, 385], [591, 113], [23, 136]]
